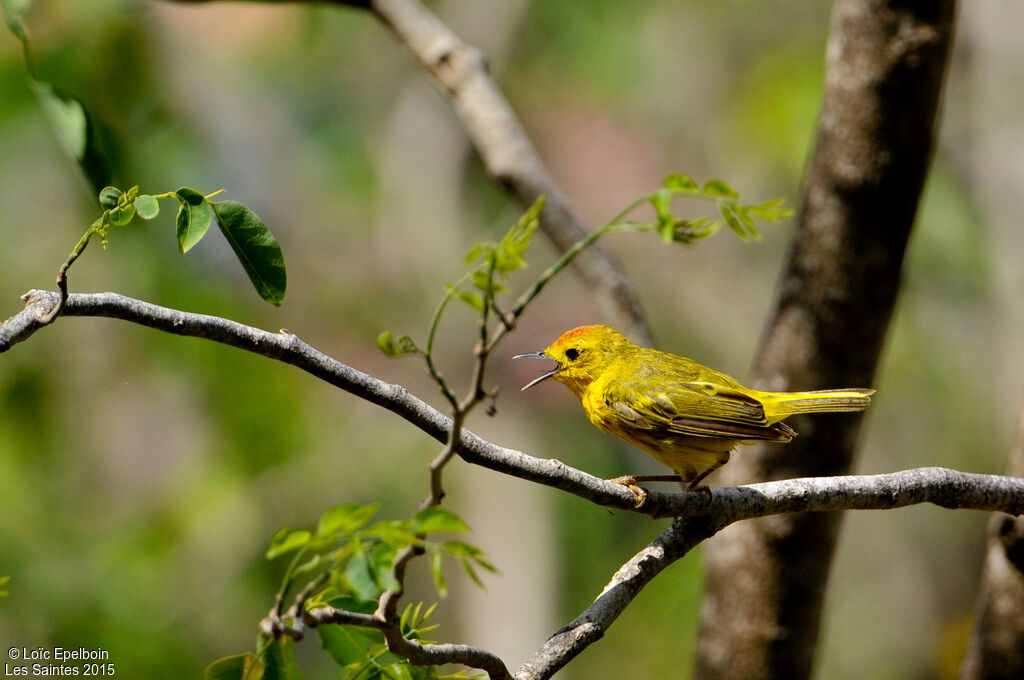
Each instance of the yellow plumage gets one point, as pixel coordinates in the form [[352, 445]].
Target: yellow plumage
[[688, 416]]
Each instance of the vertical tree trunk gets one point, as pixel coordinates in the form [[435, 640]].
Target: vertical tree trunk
[[996, 649], [885, 66]]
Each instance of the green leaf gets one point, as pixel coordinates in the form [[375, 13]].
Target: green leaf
[[279, 660], [397, 671], [467, 566], [109, 196], [738, 222], [387, 345], [4, 582], [435, 519], [343, 644], [681, 183], [359, 575], [437, 571], [404, 345], [345, 518], [286, 540], [256, 248], [308, 566], [67, 116], [474, 253], [382, 562], [731, 219], [13, 9], [333, 598], [193, 219], [771, 211], [122, 215], [237, 667], [719, 189], [485, 284], [147, 207], [661, 200], [461, 549], [392, 533], [690, 231], [472, 299]]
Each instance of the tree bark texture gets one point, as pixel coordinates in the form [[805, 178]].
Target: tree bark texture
[[996, 647], [885, 65]]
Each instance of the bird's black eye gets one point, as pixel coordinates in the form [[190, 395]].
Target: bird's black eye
[[572, 354]]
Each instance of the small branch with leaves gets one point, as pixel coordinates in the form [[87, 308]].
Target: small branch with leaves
[[253, 244], [346, 577]]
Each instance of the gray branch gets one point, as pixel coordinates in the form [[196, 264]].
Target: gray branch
[[590, 626], [700, 515], [506, 150]]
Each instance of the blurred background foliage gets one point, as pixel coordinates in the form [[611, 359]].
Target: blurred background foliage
[[143, 474]]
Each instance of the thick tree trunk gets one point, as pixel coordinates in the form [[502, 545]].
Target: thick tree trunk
[[996, 649], [885, 67]]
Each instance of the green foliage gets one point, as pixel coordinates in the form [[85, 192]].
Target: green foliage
[[194, 218], [236, 667], [498, 259], [68, 116], [279, 660], [739, 217], [250, 239], [255, 247], [356, 559], [4, 582], [350, 564], [393, 348]]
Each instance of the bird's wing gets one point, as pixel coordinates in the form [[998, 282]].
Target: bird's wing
[[702, 409]]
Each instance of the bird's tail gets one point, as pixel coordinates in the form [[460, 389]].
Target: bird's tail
[[779, 405]]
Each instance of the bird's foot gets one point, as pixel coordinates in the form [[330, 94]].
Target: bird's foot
[[706, 490], [630, 482]]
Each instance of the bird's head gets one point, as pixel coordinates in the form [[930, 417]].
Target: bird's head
[[581, 356]]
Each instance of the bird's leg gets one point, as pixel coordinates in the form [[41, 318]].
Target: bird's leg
[[695, 482]]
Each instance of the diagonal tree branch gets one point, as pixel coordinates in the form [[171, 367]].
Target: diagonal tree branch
[[590, 626], [506, 150], [503, 145]]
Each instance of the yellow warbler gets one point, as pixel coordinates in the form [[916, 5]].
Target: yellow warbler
[[688, 416]]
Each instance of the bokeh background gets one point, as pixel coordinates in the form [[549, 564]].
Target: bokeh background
[[141, 475]]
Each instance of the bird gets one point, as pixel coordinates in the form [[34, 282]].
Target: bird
[[688, 416]]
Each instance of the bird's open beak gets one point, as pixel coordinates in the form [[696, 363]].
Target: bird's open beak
[[537, 355]]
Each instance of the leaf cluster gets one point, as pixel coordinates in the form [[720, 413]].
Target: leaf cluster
[[350, 563], [249, 238], [739, 217], [493, 261], [357, 559]]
